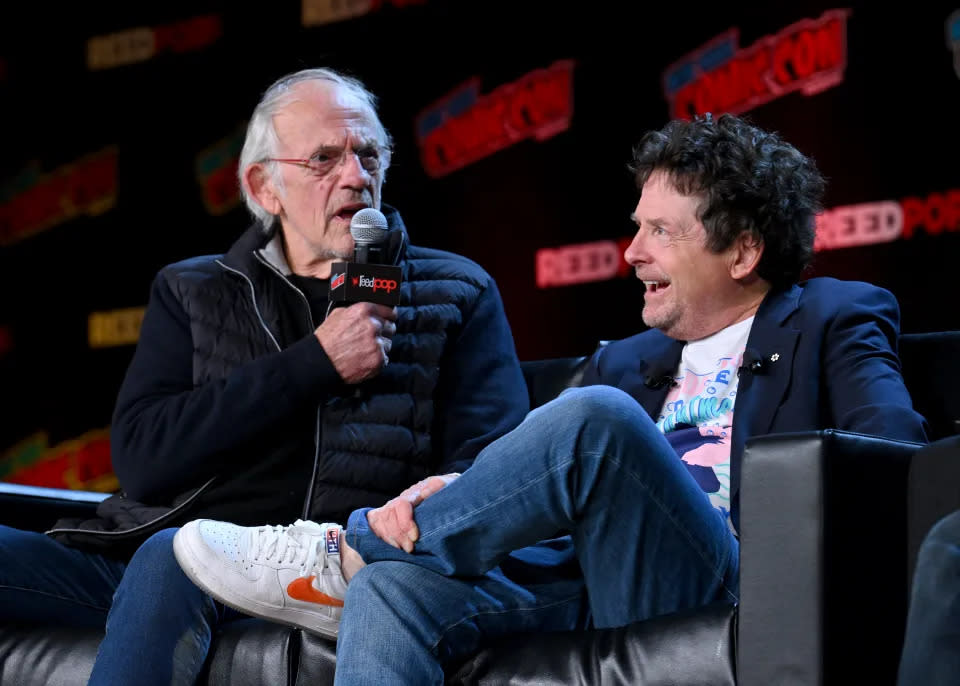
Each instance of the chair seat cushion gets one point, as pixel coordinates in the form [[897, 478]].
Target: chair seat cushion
[[683, 649]]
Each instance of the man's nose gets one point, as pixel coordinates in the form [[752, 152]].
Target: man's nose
[[352, 172], [636, 253]]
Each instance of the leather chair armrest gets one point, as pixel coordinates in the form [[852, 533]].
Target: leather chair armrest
[[43, 655], [317, 661], [933, 491], [34, 508], [822, 581], [253, 651], [681, 649], [246, 652]]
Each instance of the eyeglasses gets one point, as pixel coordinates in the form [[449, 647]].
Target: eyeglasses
[[372, 158]]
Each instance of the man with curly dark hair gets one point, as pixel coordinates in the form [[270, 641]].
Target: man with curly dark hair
[[639, 470], [749, 182]]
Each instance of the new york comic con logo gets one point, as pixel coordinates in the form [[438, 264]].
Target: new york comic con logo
[[465, 126], [809, 56]]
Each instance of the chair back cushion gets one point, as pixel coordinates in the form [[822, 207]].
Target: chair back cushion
[[931, 370]]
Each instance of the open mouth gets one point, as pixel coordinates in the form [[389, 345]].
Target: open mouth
[[346, 213], [656, 286]]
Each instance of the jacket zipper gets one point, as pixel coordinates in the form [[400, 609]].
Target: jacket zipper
[[305, 512], [253, 297], [316, 434]]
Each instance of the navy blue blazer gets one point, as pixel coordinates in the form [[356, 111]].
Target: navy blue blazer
[[828, 351]]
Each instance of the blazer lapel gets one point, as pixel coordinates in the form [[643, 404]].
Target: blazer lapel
[[655, 358], [760, 394]]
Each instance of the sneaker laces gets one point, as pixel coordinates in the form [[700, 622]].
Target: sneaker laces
[[290, 546]]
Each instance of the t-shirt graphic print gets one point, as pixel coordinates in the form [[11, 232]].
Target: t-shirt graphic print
[[697, 416]]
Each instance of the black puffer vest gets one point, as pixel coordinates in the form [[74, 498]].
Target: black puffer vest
[[375, 439]]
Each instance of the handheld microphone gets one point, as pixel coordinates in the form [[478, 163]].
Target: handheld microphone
[[369, 230], [363, 280]]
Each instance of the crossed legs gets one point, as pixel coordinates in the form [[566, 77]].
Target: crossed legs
[[590, 464]]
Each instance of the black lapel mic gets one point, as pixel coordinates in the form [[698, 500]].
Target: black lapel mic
[[659, 378], [753, 363]]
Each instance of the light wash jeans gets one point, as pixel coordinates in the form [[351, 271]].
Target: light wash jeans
[[158, 623], [931, 649], [590, 464]]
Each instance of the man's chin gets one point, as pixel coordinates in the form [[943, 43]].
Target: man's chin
[[337, 255], [650, 319], [341, 245], [657, 320]]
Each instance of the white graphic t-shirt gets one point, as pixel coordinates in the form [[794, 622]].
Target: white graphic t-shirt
[[698, 413]]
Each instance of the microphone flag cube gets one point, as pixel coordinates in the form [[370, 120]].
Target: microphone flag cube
[[376, 283]]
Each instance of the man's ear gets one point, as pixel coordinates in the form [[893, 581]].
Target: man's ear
[[745, 254], [262, 188]]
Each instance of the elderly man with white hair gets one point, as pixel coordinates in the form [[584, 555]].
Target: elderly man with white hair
[[251, 399]]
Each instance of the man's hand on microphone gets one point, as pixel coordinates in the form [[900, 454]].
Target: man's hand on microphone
[[357, 339]]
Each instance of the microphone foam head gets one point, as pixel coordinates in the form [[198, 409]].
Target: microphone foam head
[[368, 226]]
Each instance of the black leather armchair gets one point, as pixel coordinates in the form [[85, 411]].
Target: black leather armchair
[[830, 523]]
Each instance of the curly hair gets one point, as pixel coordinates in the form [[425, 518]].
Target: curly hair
[[750, 180]]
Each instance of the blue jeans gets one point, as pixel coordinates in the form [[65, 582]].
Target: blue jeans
[[931, 649], [158, 624], [591, 464]]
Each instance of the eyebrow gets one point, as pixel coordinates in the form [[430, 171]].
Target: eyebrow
[[657, 221], [360, 143]]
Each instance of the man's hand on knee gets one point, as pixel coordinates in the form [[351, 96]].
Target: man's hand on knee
[[394, 522]]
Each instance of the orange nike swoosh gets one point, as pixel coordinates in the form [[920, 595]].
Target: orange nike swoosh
[[302, 589]]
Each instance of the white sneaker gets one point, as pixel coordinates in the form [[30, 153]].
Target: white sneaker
[[289, 574]]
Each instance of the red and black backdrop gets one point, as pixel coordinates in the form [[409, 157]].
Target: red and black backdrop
[[513, 122]]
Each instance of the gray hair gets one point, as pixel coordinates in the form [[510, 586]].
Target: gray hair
[[261, 139]]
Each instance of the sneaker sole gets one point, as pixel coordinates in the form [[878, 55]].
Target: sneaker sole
[[194, 568]]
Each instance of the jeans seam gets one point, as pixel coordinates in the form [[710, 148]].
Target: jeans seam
[[68, 599], [351, 536], [484, 508], [195, 635], [474, 615], [677, 526]]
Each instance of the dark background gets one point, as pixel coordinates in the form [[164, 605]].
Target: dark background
[[887, 132]]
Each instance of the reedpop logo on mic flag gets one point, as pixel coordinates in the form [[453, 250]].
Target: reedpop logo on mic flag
[[376, 283], [388, 285]]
